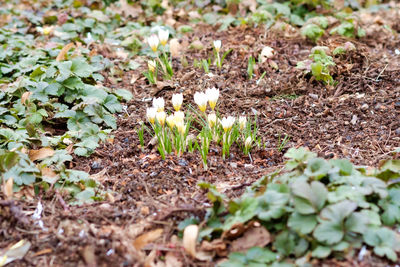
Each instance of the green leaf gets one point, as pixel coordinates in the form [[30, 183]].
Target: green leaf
[[329, 232], [112, 104], [303, 224], [261, 255], [64, 68], [357, 223], [339, 211], [124, 94], [272, 205], [312, 31], [317, 168], [285, 243], [321, 252], [246, 211], [344, 165], [81, 68], [308, 199], [86, 196]]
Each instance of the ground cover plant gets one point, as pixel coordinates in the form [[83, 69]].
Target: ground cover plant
[[199, 133]]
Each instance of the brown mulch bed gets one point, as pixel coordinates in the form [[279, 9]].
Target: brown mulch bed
[[358, 119]]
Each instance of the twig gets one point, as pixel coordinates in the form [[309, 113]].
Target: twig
[[377, 78]]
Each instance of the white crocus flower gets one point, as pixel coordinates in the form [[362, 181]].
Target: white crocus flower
[[227, 123], [217, 45], [160, 116], [153, 42], [201, 100], [242, 122], [158, 103], [212, 96], [151, 114], [181, 127], [179, 116], [266, 53], [151, 64], [212, 119], [177, 100], [170, 121], [163, 36], [248, 142]]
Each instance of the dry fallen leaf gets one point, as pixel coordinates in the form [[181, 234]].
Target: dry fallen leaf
[[172, 260], [25, 96], [15, 252], [189, 243], [175, 47], [42, 153], [189, 239], [253, 237], [146, 238], [129, 10], [64, 51], [8, 188]]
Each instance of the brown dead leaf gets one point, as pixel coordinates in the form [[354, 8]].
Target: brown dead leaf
[[43, 252], [25, 96], [217, 245], [64, 51], [146, 238], [42, 153], [190, 238], [175, 47], [49, 173], [129, 10], [8, 188], [253, 237], [89, 256], [171, 260]]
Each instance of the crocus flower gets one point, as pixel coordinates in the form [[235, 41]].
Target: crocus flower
[[211, 119], [227, 123], [151, 64], [171, 121], [242, 122], [160, 116], [151, 114], [177, 100], [212, 96], [248, 142], [163, 36], [217, 45], [158, 103], [181, 127], [153, 42], [201, 100], [179, 116]]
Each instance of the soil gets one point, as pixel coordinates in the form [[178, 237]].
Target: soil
[[358, 118]]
